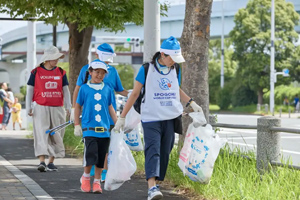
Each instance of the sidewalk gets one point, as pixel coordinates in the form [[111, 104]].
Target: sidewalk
[[11, 187], [21, 180]]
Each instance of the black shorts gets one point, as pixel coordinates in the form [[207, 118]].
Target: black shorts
[[95, 150]]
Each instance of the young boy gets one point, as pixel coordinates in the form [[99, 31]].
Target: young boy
[[16, 113], [96, 99]]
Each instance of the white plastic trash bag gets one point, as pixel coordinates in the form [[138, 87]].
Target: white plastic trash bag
[[199, 153], [132, 119], [133, 140], [121, 164]]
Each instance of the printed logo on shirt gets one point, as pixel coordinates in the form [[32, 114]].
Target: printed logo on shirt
[[51, 85], [166, 103], [56, 77], [51, 94], [165, 84]]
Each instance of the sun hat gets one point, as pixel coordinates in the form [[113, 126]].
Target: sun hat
[[171, 47], [98, 64], [51, 53], [105, 52]]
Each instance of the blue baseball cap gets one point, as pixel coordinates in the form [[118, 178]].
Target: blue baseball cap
[[98, 64], [105, 52], [171, 46]]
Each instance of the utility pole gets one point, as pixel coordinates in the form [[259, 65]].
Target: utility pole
[[272, 62], [222, 47], [31, 53], [54, 35], [151, 28]]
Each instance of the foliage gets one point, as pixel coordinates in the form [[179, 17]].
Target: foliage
[[23, 89], [126, 73], [214, 66], [64, 66], [105, 14], [224, 96], [282, 91], [242, 96], [251, 40]]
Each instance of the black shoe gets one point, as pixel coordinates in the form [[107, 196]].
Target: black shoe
[[42, 167], [51, 167]]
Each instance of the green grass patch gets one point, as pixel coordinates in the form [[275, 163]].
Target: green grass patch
[[234, 176], [73, 143], [214, 107]]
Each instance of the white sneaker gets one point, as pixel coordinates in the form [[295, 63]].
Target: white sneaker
[[154, 193]]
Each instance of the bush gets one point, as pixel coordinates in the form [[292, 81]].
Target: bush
[[242, 96], [281, 91], [224, 97]]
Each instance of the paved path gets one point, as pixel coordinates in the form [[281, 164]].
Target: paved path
[[19, 178]]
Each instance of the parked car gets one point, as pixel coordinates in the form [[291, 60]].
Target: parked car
[[120, 100]]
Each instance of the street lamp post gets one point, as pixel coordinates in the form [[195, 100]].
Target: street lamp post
[[272, 64], [222, 47]]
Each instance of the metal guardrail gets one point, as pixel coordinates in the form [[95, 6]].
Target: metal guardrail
[[268, 140]]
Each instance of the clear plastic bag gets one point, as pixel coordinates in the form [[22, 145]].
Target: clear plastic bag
[[200, 151], [133, 140], [121, 164]]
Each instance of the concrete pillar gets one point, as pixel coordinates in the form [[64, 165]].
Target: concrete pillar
[[268, 142], [151, 28], [15, 76]]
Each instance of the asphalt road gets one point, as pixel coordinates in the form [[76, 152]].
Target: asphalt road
[[64, 184], [245, 139]]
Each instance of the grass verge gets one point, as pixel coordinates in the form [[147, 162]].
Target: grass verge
[[234, 176]]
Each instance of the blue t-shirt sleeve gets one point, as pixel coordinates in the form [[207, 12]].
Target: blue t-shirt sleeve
[[80, 96], [119, 86], [82, 74], [31, 79], [140, 77]]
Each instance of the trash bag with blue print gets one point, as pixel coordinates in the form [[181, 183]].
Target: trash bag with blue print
[[200, 150], [133, 140], [121, 164]]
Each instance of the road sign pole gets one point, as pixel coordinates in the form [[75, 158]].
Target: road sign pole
[[272, 62]]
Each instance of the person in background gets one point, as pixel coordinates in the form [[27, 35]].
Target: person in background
[[106, 54], [11, 96], [296, 100], [95, 99], [16, 114], [48, 88], [158, 114], [4, 102]]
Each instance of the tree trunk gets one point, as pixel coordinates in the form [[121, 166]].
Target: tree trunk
[[79, 43], [195, 45], [260, 95]]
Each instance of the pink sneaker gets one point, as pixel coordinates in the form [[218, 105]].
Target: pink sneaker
[[97, 187], [85, 184]]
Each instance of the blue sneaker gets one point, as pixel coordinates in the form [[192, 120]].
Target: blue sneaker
[[154, 193], [92, 173], [103, 175]]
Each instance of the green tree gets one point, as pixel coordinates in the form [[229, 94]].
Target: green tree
[[126, 73], [80, 16], [251, 40], [214, 66]]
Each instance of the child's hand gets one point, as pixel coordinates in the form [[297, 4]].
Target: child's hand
[[119, 124], [77, 130]]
